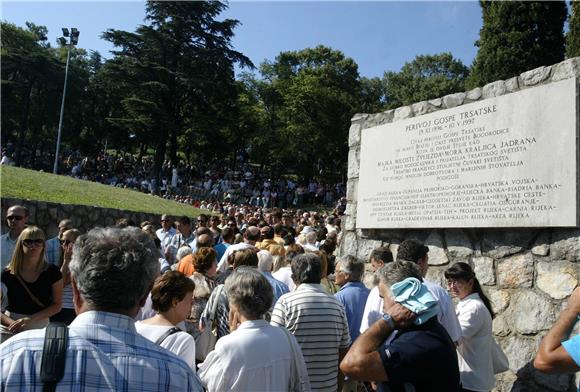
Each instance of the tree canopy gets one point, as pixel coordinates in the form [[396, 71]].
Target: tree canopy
[[426, 77], [518, 36]]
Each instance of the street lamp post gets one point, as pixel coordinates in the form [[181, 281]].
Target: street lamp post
[[73, 40]]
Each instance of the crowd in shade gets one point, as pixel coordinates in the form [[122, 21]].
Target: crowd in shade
[[248, 301], [207, 187]]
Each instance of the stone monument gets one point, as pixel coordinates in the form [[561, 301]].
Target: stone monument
[[489, 177]]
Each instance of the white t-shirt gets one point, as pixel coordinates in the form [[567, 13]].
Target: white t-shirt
[[284, 275], [474, 352], [246, 360], [223, 262], [179, 343], [446, 316]]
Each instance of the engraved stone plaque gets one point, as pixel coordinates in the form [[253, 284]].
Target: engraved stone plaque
[[508, 161]]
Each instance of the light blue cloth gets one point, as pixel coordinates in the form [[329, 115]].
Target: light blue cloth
[[413, 295]]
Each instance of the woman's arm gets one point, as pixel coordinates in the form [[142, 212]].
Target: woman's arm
[[64, 270], [6, 321], [54, 308]]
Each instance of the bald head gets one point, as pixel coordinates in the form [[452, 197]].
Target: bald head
[[204, 241], [252, 234], [17, 217]]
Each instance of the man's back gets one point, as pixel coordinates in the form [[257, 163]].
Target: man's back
[[104, 353], [423, 356], [319, 324], [353, 296]]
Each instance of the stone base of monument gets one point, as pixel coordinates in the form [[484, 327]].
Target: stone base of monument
[[489, 177]]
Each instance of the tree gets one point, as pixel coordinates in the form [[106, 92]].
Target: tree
[[426, 77], [373, 96], [518, 36], [31, 74], [177, 72], [573, 36], [309, 97]]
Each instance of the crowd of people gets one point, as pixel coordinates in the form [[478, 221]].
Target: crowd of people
[[245, 302], [206, 187]]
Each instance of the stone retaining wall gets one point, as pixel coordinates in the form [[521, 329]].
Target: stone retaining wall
[[47, 215], [527, 273]]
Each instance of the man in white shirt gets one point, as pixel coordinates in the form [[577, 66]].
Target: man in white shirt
[[17, 218], [166, 233], [416, 252], [251, 236], [374, 305]]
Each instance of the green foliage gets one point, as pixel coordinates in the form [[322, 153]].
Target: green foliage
[[373, 95], [176, 79], [573, 36], [426, 77], [307, 98], [518, 36], [33, 185]]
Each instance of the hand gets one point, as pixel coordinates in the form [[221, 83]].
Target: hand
[[574, 301], [67, 252], [402, 317], [234, 320], [19, 325], [168, 255]]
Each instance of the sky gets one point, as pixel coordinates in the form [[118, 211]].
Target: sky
[[379, 36]]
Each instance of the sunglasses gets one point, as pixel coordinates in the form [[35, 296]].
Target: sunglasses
[[31, 243], [15, 217]]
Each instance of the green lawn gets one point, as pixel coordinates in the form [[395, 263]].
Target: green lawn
[[33, 185]]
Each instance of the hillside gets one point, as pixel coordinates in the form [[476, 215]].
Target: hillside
[[21, 183]]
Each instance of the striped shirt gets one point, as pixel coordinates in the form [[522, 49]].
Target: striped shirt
[[318, 322], [105, 353]]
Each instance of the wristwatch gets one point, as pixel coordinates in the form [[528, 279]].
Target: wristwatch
[[389, 320]]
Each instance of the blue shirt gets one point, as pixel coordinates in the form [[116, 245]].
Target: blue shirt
[[220, 249], [104, 352], [52, 251], [572, 347], [279, 288], [353, 296]]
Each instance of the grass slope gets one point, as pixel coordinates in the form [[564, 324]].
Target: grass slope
[[33, 185]]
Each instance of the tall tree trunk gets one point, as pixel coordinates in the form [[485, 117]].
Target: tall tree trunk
[[160, 149], [23, 125], [173, 147]]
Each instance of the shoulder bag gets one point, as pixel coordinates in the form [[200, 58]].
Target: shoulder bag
[[205, 341]]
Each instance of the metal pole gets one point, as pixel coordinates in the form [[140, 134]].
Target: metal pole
[[55, 168]]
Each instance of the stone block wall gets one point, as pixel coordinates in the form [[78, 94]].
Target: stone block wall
[[527, 273], [47, 215]]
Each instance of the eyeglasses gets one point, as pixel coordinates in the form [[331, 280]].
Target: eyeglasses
[[165, 220], [15, 217], [30, 243], [67, 242], [455, 282]]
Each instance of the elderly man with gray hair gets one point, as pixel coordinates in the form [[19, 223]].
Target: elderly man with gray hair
[[318, 322], [353, 293], [407, 349], [247, 359], [112, 271], [265, 265]]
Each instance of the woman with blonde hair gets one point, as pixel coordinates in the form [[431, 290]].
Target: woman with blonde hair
[[34, 288], [328, 285]]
